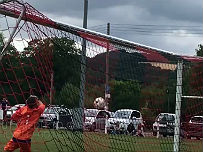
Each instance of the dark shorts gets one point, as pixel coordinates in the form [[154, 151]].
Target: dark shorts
[[24, 145]]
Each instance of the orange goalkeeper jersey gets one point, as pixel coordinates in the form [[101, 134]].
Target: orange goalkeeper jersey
[[26, 121]]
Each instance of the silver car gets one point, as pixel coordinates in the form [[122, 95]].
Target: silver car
[[55, 116], [125, 121]]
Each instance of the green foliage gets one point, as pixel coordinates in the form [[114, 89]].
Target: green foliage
[[152, 97], [93, 92], [128, 66], [66, 58], [125, 94], [62, 55], [199, 51], [8, 61], [69, 96], [66, 68]]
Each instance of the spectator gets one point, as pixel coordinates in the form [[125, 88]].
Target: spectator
[[4, 104]]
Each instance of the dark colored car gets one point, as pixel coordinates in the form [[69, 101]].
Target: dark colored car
[[164, 124], [101, 120], [56, 117], [89, 118], [96, 119], [193, 128]]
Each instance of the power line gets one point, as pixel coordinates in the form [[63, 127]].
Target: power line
[[153, 30]]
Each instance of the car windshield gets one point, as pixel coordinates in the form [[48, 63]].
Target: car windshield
[[167, 117], [90, 113], [122, 114], [51, 110], [197, 119]]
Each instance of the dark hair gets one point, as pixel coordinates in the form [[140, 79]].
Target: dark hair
[[32, 101]]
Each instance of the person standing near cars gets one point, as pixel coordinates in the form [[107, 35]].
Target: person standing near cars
[[4, 104], [26, 118]]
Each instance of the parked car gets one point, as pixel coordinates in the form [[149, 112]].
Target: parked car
[[10, 111], [193, 128], [164, 123], [56, 116], [101, 119], [89, 118], [126, 121]]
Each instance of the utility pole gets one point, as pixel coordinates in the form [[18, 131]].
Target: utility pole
[[85, 14], [167, 91], [83, 58], [83, 68], [107, 88], [51, 46], [51, 89]]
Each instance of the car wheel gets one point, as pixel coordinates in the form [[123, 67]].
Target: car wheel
[[154, 133], [52, 126], [130, 128], [164, 135], [93, 127], [39, 124], [188, 137]]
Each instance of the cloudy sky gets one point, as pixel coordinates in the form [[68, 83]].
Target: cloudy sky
[[172, 25]]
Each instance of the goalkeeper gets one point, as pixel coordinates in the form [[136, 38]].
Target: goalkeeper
[[26, 118]]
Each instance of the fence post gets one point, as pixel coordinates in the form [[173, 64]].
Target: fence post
[[176, 145]]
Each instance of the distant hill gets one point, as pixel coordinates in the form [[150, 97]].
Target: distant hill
[[123, 65]]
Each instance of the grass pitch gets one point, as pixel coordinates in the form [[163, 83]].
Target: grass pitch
[[47, 140]]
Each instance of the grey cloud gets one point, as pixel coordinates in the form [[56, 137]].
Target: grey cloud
[[186, 10], [159, 12]]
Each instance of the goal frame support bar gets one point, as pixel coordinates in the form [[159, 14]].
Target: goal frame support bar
[[193, 97], [176, 139], [3, 51]]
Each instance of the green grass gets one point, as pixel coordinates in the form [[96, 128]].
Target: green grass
[[45, 140]]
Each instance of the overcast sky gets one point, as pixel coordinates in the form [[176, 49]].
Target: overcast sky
[[172, 25]]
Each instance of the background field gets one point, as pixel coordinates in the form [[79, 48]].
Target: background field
[[45, 140]]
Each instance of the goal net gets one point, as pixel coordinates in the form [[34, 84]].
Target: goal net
[[101, 93]]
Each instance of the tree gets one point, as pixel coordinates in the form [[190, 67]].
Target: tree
[[125, 94], [66, 63], [64, 57], [7, 75], [69, 96], [199, 51], [93, 91]]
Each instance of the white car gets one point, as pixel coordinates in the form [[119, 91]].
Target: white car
[[13, 109], [125, 121], [89, 118], [164, 123]]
